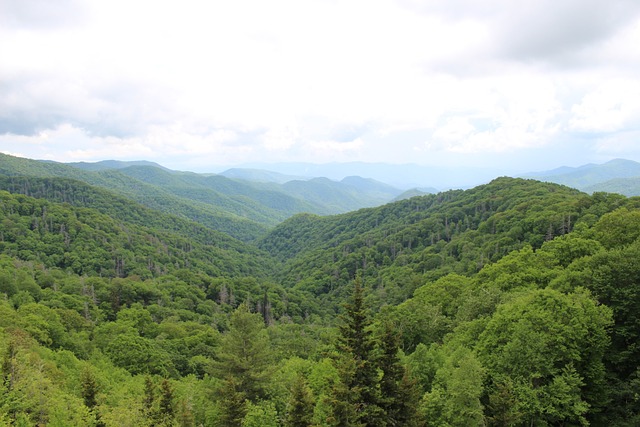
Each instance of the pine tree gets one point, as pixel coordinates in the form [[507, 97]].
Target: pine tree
[[400, 395], [392, 371], [265, 309], [300, 409], [89, 393], [149, 396], [166, 410], [408, 410], [357, 365], [233, 403], [245, 354], [89, 388]]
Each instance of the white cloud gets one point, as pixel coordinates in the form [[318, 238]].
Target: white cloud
[[611, 106], [334, 151], [280, 139], [249, 80]]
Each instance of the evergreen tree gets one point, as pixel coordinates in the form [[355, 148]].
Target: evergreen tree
[[300, 409], [245, 354], [149, 396], [166, 409], [89, 388], [265, 309], [360, 386], [89, 393], [233, 403], [409, 396], [400, 395]]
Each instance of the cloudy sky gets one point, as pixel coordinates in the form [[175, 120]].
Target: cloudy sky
[[513, 85]]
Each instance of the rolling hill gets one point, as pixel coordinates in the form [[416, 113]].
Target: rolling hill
[[594, 177], [514, 302], [243, 209]]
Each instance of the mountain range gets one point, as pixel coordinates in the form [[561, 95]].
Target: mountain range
[[131, 294], [615, 176]]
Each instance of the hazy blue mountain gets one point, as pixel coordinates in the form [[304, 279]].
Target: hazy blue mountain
[[626, 186], [260, 175], [372, 187], [404, 176], [113, 164], [415, 192], [590, 175], [339, 197], [260, 203]]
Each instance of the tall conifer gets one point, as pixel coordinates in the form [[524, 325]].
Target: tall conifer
[[360, 388]]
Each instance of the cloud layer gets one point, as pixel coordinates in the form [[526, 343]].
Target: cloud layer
[[193, 84]]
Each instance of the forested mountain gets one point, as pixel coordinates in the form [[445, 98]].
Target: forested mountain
[[240, 208], [112, 164], [423, 238], [510, 304], [609, 176], [153, 196], [260, 175], [626, 186], [403, 176]]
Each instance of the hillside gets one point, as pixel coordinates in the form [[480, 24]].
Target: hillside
[[152, 196], [243, 209], [591, 177], [516, 300], [133, 241], [260, 175], [626, 186], [406, 243]]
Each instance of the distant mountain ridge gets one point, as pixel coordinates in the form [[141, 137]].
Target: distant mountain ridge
[[260, 175], [618, 176], [242, 208], [113, 164], [402, 176]]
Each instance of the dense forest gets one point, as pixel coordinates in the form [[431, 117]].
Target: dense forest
[[514, 303]]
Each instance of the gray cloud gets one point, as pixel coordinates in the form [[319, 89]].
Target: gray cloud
[[557, 33], [34, 102], [558, 29]]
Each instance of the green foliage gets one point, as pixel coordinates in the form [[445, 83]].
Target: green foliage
[[232, 401], [300, 406], [359, 387], [399, 392], [454, 399], [514, 303], [245, 354], [549, 346], [402, 245], [262, 414], [87, 242]]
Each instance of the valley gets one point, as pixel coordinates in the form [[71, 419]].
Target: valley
[[136, 295]]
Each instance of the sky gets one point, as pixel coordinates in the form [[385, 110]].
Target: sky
[[514, 86]]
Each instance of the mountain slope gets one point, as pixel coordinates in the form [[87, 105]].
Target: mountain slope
[[409, 242], [89, 242], [590, 175], [112, 164], [260, 175], [262, 205], [153, 196], [626, 186]]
